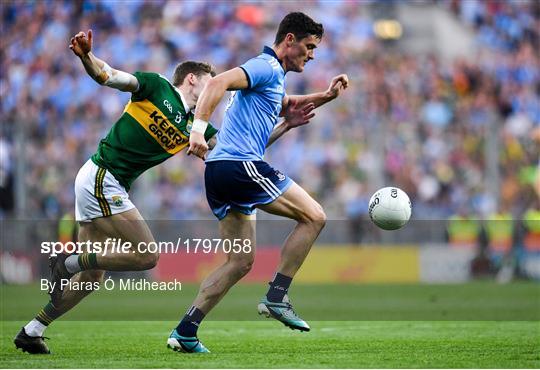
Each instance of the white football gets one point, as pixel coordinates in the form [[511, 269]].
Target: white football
[[390, 208]]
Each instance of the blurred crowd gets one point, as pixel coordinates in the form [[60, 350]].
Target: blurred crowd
[[413, 121]]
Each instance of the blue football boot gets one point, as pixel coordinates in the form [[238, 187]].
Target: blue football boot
[[282, 312], [178, 343]]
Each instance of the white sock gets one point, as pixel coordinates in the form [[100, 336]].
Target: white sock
[[34, 328], [72, 264]]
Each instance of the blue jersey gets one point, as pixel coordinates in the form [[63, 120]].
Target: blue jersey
[[252, 113]]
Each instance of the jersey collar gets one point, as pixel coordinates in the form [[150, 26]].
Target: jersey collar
[[268, 50], [187, 109]]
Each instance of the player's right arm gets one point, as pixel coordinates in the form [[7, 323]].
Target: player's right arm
[[101, 72], [233, 79]]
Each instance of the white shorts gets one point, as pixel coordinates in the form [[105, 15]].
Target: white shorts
[[98, 193]]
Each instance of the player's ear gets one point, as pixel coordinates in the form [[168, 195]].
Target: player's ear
[[289, 39]]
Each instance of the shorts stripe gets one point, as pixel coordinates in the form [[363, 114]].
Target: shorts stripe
[[259, 181], [269, 182], [105, 203], [98, 192], [266, 180]]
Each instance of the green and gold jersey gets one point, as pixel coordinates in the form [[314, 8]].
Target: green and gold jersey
[[153, 127]]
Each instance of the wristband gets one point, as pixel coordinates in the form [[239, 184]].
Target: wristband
[[105, 74], [199, 125], [117, 80]]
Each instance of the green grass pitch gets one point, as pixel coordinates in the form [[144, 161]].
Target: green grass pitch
[[374, 326]]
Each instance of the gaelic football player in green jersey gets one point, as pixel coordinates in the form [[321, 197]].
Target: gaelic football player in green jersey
[[154, 126]]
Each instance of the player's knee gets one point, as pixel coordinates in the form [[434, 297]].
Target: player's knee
[[315, 215], [243, 266], [148, 261], [153, 259]]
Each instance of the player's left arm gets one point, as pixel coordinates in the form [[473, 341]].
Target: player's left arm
[[337, 85], [294, 117], [212, 142], [99, 70]]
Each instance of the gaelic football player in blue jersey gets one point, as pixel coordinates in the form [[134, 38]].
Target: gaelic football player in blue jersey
[[238, 180]]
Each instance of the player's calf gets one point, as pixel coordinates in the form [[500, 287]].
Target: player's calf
[[60, 272]]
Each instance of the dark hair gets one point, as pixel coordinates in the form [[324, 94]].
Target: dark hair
[[300, 25], [197, 68]]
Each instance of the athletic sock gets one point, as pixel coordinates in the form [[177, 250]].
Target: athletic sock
[[278, 288], [37, 326], [81, 262], [190, 323]]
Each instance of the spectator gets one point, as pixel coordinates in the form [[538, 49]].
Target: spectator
[[423, 122]]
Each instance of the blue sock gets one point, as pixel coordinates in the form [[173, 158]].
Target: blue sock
[[278, 288], [190, 322]]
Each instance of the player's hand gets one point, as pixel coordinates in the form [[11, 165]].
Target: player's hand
[[81, 44], [337, 85], [296, 115], [197, 145]]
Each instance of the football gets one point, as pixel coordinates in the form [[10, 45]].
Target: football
[[390, 208]]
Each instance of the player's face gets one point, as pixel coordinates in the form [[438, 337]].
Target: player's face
[[301, 52], [200, 83]]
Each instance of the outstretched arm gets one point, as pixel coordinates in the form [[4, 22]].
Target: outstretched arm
[[337, 85], [233, 79], [277, 132], [296, 116], [212, 142], [101, 72]]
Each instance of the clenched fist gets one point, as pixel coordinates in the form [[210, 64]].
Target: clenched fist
[[337, 85]]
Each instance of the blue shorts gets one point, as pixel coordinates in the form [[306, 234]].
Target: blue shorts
[[242, 186]]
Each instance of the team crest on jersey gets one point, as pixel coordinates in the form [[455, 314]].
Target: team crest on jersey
[[280, 176], [117, 200]]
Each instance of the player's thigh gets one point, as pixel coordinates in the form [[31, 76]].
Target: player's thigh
[[239, 231], [296, 204], [129, 226], [88, 231]]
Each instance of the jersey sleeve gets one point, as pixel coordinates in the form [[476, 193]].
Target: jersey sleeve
[[210, 131], [148, 83], [258, 72]]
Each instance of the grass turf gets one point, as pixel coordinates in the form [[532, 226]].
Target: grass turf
[[249, 344], [380, 302], [380, 326]]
